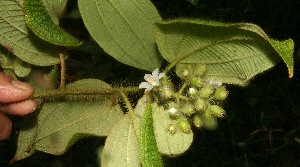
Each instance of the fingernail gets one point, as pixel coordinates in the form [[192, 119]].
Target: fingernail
[[19, 84]]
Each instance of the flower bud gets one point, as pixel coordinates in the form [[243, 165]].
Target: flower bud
[[197, 121], [196, 82], [200, 105], [206, 91], [221, 93], [184, 71], [217, 111], [209, 122], [193, 92], [184, 125], [187, 109], [199, 70]]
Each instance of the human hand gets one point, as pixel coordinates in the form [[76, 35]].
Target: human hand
[[13, 100]]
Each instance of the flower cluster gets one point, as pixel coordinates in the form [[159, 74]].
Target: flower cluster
[[197, 101]]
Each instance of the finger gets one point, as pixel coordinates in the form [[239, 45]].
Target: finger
[[13, 91], [19, 108], [5, 127]]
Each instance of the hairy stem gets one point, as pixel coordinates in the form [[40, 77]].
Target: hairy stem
[[63, 74], [66, 92]]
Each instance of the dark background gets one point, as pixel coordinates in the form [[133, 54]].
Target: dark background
[[263, 118]]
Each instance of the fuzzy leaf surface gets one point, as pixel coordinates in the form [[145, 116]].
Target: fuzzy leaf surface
[[148, 148], [121, 146], [16, 37], [233, 53], [40, 22], [61, 124], [167, 143], [124, 29]]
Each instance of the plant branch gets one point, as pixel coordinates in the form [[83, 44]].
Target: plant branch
[[66, 92]]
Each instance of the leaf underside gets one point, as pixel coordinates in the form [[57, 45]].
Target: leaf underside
[[232, 53], [124, 29], [60, 124], [16, 37]]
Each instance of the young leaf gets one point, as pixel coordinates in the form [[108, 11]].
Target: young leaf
[[148, 148], [232, 53], [15, 37], [60, 124], [124, 29], [40, 22], [121, 146], [168, 143]]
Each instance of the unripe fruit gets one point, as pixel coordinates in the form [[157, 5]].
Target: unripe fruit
[[197, 121], [193, 92], [209, 122], [184, 125], [217, 111], [187, 109], [199, 70], [196, 82], [184, 71], [165, 92], [200, 105], [221, 93], [206, 91]]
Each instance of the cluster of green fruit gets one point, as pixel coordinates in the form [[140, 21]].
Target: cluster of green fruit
[[197, 102]]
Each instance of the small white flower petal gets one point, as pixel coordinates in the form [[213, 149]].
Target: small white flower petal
[[144, 85], [155, 72], [161, 75]]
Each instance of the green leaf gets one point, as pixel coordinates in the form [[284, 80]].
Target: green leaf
[[148, 148], [40, 22], [285, 51], [61, 124], [15, 37], [121, 146], [124, 29], [26, 137], [21, 68], [232, 53], [55, 8], [168, 143]]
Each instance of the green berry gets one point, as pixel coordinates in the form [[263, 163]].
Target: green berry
[[209, 122], [199, 70], [217, 111], [206, 91], [196, 82], [197, 121], [165, 92], [184, 125], [187, 109], [221, 93], [184, 71], [193, 92], [200, 105]]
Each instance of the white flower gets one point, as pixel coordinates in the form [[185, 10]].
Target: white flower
[[152, 80], [172, 111]]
